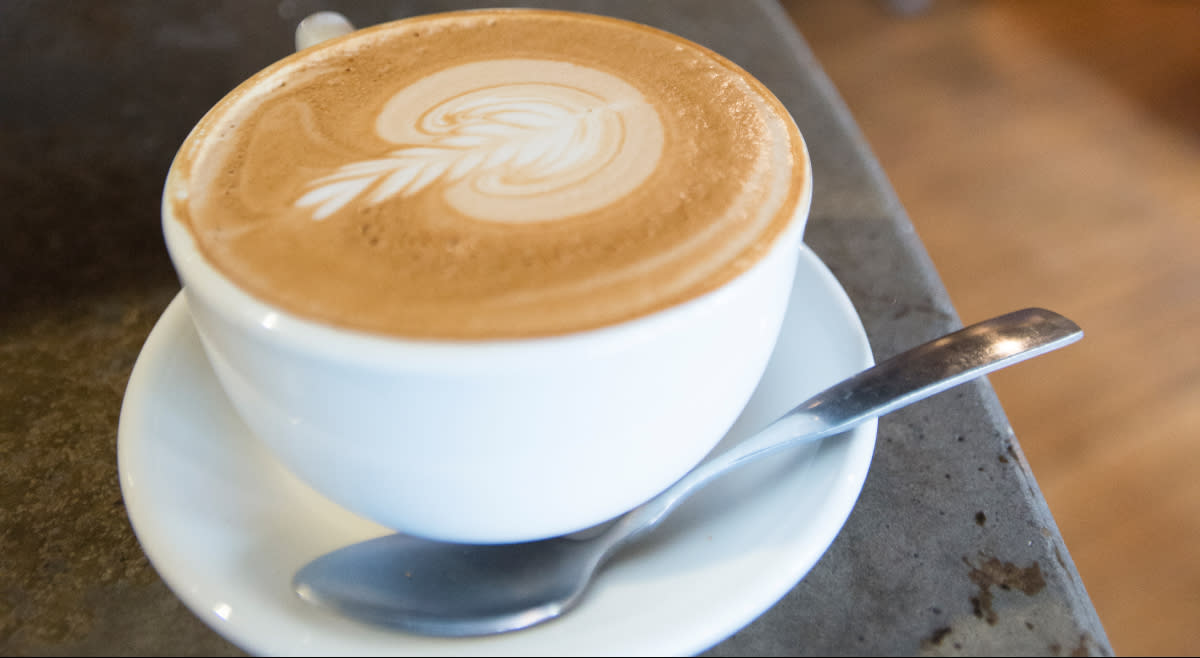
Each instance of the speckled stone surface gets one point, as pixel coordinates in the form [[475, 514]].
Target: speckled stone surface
[[950, 550]]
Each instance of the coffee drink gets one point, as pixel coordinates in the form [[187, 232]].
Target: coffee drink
[[490, 174], [419, 254]]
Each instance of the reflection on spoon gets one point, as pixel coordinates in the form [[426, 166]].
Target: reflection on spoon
[[457, 590]]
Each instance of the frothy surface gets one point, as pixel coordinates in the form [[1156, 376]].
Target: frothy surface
[[490, 174]]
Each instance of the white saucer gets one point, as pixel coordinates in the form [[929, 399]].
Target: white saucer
[[226, 526]]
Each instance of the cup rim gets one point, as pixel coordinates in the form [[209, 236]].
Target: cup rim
[[339, 343]]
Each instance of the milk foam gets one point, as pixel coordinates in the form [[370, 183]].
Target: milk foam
[[491, 174], [513, 140]]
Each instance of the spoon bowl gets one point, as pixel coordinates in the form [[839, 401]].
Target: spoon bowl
[[449, 589], [457, 590]]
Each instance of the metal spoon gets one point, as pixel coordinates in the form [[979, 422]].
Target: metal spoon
[[456, 590]]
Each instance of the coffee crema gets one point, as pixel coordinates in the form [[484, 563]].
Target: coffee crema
[[490, 174]]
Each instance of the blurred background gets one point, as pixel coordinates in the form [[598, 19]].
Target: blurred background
[[1048, 153]]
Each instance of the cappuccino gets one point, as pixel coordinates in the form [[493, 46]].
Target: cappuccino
[[490, 174]]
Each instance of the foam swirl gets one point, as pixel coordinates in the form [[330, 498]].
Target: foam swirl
[[513, 140]]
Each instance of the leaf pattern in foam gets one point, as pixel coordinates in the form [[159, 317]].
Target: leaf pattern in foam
[[531, 138]]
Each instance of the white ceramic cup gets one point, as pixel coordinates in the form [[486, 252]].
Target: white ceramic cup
[[496, 440]]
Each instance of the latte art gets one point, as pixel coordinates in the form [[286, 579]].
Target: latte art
[[531, 145], [491, 174]]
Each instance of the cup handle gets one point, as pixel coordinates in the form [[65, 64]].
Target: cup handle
[[320, 26]]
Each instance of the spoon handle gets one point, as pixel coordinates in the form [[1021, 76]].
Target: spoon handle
[[897, 382]]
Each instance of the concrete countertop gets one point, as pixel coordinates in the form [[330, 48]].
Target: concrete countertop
[[950, 550]]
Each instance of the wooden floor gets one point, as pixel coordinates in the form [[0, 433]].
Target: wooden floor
[[1048, 154]]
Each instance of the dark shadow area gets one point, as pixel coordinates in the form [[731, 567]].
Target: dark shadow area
[[97, 98]]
